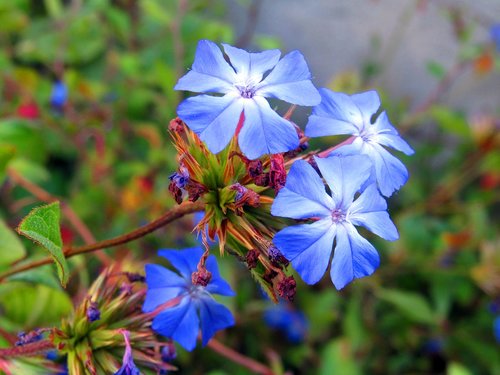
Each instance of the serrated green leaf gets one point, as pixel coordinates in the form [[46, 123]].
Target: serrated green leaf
[[412, 305], [11, 247], [42, 226]]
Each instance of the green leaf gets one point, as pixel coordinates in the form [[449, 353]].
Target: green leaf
[[436, 69], [11, 247], [33, 306], [41, 276], [412, 305], [450, 121], [42, 226], [338, 358], [457, 369]]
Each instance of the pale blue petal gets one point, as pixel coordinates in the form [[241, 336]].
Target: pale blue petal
[[214, 317], [308, 247], [180, 323], [303, 195], [217, 284], [264, 131], [387, 135], [344, 175], [214, 119], [157, 297], [186, 261], [163, 285], [210, 72], [336, 114], [290, 81], [368, 103], [391, 173], [353, 257], [369, 211], [251, 66]]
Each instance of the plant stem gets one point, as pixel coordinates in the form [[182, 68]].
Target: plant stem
[[27, 350], [69, 213], [171, 215], [249, 363]]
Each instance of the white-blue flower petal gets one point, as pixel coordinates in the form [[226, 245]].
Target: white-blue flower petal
[[251, 66], [344, 175], [210, 72], [336, 114], [391, 173], [290, 81], [264, 131], [214, 119], [308, 247], [303, 195], [387, 135], [370, 211], [353, 257], [368, 103]]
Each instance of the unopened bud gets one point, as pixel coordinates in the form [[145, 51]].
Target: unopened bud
[[277, 172], [287, 288], [201, 277], [276, 257], [251, 258], [168, 352], [176, 125], [93, 312]]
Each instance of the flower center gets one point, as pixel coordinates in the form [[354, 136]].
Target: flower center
[[196, 290], [338, 216], [246, 91]]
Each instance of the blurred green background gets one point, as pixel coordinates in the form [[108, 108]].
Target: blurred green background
[[86, 94]]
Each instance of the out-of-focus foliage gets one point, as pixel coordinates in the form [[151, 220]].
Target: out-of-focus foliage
[[105, 150]]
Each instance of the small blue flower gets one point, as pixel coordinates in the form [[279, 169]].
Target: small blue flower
[[496, 328], [288, 320], [93, 312], [128, 365], [242, 81], [309, 246], [59, 95], [196, 305], [343, 114], [495, 35]]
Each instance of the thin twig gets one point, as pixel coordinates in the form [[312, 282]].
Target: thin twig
[[232, 355], [27, 350], [68, 212], [171, 215]]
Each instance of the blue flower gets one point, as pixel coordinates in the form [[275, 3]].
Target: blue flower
[[59, 95], [243, 108], [128, 366], [496, 328], [288, 320], [309, 246], [343, 114], [495, 35], [196, 305]]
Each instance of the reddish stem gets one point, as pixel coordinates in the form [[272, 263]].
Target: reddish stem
[[27, 350], [249, 363]]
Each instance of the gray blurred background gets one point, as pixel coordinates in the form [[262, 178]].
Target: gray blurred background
[[403, 35]]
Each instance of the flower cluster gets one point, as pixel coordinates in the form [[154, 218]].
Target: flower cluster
[[249, 169]]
